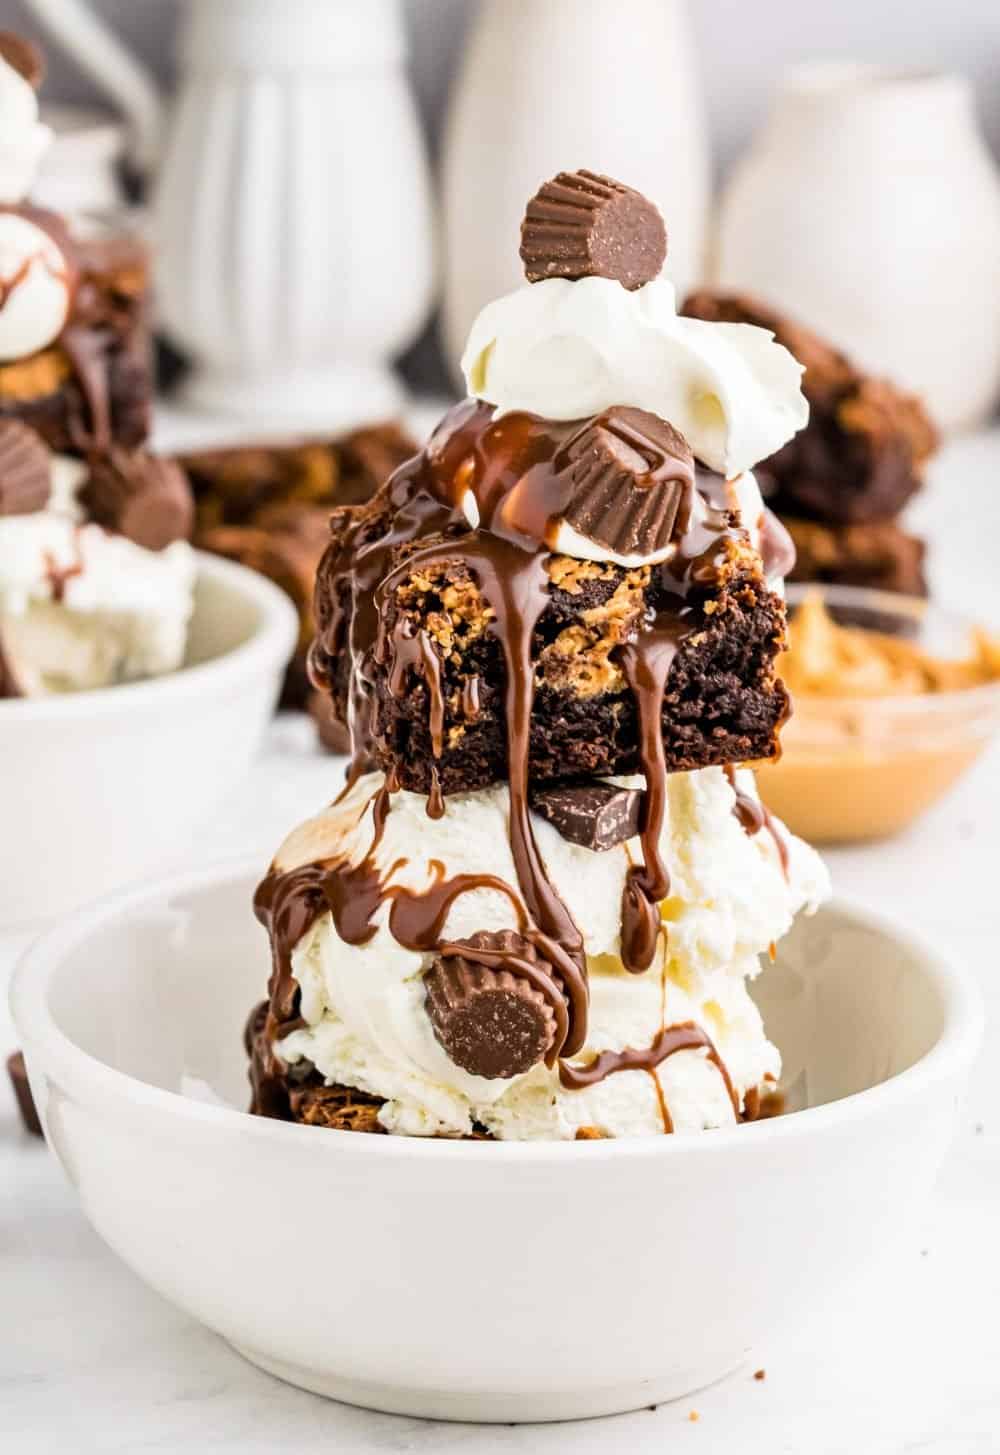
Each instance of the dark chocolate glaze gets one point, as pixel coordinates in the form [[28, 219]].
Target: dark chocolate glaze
[[754, 816], [748, 810]]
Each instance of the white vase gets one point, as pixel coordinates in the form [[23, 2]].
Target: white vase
[[553, 85], [869, 208], [292, 203]]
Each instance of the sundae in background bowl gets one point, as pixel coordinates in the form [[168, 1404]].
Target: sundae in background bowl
[[894, 698], [111, 753], [96, 573]]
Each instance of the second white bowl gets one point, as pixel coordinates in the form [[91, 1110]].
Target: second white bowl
[[479, 1280], [101, 788]]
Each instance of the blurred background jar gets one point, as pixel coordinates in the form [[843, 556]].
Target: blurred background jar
[[869, 207]]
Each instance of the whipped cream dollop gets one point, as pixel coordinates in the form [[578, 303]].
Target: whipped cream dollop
[[364, 1004], [82, 607], [566, 349], [23, 138], [35, 287]]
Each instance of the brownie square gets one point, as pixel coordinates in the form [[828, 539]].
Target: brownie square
[[723, 701]]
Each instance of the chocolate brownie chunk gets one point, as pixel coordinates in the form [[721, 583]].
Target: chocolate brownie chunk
[[232, 486], [267, 506], [431, 685], [878, 554], [863, 453]]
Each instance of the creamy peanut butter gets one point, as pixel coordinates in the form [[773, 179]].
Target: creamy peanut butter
[[880, 729]]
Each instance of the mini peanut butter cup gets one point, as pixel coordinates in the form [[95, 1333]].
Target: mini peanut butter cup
[[490, 1020], [25, 469], [632, 481], [144, 497], [26, 59], [583, 225]]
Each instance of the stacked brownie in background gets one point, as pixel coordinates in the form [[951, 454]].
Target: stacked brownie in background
[[268, 506], [840, 485]]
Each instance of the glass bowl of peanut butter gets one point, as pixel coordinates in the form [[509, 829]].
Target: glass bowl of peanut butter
[[893, 699]]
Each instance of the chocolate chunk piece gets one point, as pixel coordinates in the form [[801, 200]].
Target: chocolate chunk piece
[[595, 815], [490, 1020], [26, 59], [632, 480], [144, 497], [18, 1073], [583, 225], [25, 470]]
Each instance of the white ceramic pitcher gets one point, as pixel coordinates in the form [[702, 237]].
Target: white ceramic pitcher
[[292, 202], [869, 207]]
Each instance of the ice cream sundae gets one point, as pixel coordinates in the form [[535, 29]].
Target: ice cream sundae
[[535, 909]]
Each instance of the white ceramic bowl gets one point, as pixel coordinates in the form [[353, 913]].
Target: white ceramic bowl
[[477, 1280], [100, 789]]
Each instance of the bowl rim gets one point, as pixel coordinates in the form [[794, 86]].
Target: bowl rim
[[93, 1080], [271, 644], [913, 608]]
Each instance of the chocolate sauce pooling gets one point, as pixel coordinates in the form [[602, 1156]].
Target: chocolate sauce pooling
[[511, 468]]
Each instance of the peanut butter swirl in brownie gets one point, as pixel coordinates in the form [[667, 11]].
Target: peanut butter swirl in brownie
[[573, 584]]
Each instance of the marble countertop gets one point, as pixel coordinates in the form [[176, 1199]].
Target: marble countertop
[[906, 1359]]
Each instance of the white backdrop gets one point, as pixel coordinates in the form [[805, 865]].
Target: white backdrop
[[743, 46]]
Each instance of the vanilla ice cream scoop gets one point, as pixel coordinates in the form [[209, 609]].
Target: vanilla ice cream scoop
[[363, 996]]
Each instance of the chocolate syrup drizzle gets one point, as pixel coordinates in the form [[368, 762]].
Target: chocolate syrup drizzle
[[509, 467], [754, 815], [685, 1036]]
